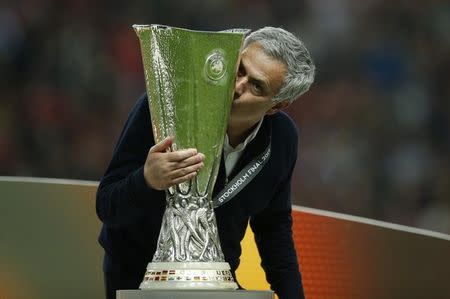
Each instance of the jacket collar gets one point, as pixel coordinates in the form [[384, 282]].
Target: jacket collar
[[253, 149]]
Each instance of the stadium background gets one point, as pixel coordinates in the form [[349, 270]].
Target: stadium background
[[375, 137]]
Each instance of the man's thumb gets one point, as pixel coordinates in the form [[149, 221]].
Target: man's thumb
[[162, 145]]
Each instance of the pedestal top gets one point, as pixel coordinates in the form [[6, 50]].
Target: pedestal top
[[193, 294]]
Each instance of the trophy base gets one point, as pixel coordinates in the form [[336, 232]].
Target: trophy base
[[188, 275], [192, 294]]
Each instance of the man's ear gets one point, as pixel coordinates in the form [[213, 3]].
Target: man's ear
[[278, 106]]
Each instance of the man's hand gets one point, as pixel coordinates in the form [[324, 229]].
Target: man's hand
[[164, 169]]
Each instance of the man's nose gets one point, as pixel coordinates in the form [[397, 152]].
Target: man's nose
[[240, 84]]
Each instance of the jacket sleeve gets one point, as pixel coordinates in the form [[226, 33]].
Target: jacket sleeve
[[122, 194], [273, 235]]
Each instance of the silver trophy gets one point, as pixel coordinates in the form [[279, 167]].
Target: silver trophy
[[190, 78]]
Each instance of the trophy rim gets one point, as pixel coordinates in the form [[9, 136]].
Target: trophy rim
[[232, 31]]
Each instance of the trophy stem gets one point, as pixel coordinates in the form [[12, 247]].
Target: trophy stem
[[188, 231], [188, 254]]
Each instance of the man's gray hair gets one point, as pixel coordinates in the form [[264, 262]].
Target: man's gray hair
[[287, 48]]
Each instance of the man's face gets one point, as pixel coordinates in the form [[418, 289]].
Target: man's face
[[259, 79]]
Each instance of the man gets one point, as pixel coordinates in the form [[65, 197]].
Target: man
[[275, 69]]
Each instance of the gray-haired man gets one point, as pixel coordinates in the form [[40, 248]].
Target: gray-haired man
[[275, 69]]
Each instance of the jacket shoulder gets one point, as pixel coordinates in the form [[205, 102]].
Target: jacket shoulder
[[284, 125]]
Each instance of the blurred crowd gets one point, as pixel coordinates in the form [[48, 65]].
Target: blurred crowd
[[375, 127]]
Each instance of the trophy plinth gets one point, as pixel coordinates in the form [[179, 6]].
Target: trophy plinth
[[193, 294], [188, 275], [190, 78]]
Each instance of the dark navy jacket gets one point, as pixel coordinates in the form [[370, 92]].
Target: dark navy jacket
[[132, 213]]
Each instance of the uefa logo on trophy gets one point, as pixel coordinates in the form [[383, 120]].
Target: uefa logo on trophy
[[190, 78]]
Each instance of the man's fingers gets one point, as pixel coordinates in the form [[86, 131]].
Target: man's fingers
[[190, 161], [181, 172], [181, 155], [183, 178], [162, 145]]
